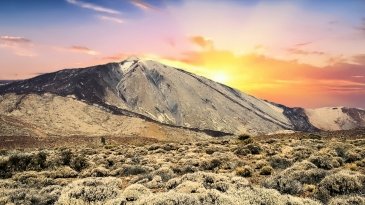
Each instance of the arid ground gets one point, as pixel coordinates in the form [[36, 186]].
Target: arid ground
[[300, 168]]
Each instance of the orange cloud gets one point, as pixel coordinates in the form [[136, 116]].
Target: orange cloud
[[202, 42], [116, 57], [303, 44], [282, 81], [298, 51], [359, 59]]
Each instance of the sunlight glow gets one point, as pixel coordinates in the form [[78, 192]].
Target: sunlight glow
[[220, 77]]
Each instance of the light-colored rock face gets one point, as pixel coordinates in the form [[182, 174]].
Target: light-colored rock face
[[336, 118], [52, 115], [176, 97]]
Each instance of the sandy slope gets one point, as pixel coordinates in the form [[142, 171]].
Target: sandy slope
[[51, 115], [336, 118]]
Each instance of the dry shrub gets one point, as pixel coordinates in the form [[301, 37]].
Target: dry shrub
[[5, 172], [76, 162], [244, 137], [352, 156], [153, 147], [261, 163], [209, 181], [266, 170], [135, 192], [347, 200], [278, 162], [341, 183], [291, 180], [165, 173], [302, 152], [170, 147], [325, 161], [345, 151], [79, 163], [26, 196], [61, 172], [97, 172], [65, 157], [208, 197], [190, 187], [25, 161], [245, 171], [242, 151], [206, 188], [361, 163], [210, 151], [129, 170], [254, 148], [210, 164], [184, 169], [93, 191]]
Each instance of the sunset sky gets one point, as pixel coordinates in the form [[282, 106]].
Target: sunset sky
[[306, 53]]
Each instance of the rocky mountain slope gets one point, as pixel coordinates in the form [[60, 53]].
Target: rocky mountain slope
[[155, 92], [336, 118], [56, 116]]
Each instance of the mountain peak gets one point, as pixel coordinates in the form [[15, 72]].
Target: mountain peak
[[132, 62], [170, 96], [132, 58]]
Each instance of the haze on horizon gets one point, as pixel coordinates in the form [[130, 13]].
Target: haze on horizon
[[299, 53]]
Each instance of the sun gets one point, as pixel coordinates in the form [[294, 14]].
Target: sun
[[220, 77]]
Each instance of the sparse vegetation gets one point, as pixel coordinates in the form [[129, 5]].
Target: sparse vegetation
[[341, 183], [244, 137], [245, 171], [266, 170], [103, 140], [216, 171]]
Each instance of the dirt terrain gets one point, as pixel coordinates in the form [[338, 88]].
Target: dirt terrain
[[298, 168]]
